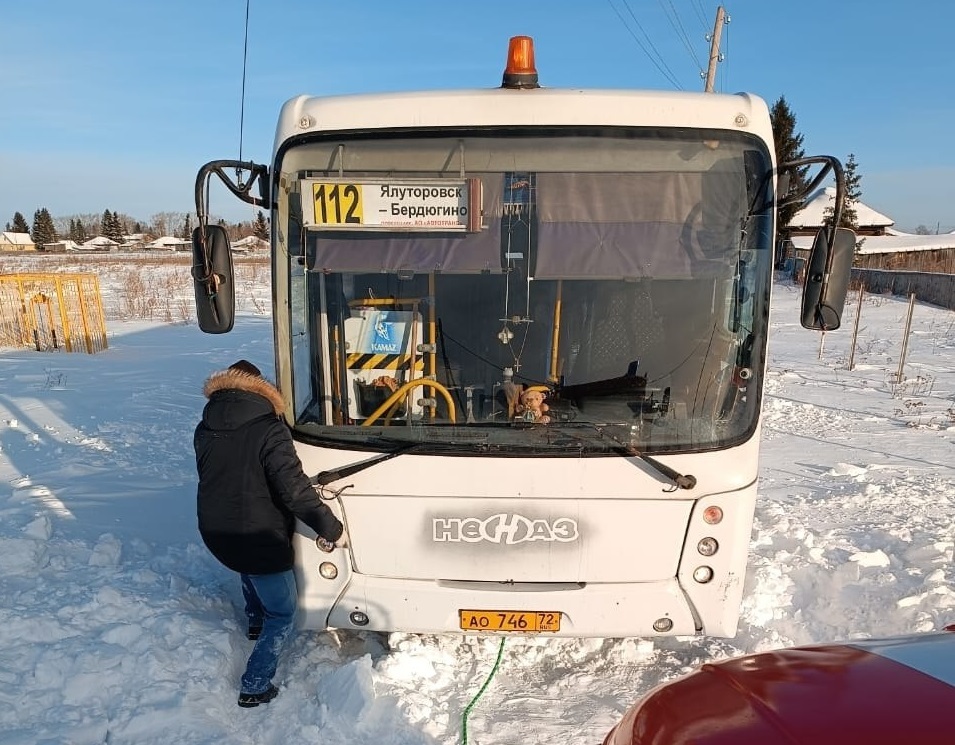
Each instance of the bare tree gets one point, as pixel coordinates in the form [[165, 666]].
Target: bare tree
[[166, 223]]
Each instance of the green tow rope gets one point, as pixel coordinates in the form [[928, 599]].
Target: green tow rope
[[467, 709]]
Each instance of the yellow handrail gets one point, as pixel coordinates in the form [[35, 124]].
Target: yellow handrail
[[555, 337], [372, 302], [404, 388]]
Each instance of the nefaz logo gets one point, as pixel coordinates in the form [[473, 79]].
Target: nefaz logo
[[504, 528]]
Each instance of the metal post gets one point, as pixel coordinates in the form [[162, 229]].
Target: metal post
[[905, 339], [855, 330]]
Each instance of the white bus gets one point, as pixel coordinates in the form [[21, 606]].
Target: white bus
[[521, 335]]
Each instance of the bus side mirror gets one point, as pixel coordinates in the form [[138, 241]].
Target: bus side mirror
[[827, 279], [213, 279]]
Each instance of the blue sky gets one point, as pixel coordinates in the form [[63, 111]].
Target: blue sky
[[114, 105]]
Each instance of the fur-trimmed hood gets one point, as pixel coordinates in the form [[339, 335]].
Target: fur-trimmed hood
[[241, 381]]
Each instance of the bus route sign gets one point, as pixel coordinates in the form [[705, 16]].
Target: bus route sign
[[403, 205]]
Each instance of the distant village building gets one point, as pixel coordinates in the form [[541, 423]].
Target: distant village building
[[133, 242], [168, 243], [819, 206], [99, 243], [16, 242], [249, 243], [897, 252], [880, 246], [61, 246]]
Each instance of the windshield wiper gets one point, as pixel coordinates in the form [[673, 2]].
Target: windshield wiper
[[323, 478], [681, 481]]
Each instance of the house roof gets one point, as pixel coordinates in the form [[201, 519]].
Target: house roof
[[71, 245], [19, 239], [100, 240], [814, 213], [249, 243], [168, 241], [887, 244], [250, 240]]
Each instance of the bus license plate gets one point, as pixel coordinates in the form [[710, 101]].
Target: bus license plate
[[509, 620]]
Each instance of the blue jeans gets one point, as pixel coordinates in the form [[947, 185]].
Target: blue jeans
[[270, 602]]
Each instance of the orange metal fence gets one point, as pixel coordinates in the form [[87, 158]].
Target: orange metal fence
[[52, 311]]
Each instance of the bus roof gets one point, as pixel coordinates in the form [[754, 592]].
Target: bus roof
[[529, 107]]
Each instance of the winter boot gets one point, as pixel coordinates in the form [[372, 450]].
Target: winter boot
[[248, 700]]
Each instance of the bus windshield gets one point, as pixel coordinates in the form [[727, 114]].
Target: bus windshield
[[526, 291]]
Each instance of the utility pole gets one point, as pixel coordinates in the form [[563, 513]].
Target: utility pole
[[714, 49]]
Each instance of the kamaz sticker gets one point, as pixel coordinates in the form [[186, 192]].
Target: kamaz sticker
[[386, 338], [504, 528]]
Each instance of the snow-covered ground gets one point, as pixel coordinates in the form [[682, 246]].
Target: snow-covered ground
[[116, 626]]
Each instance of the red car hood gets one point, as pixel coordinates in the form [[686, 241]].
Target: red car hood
[[876, 692]]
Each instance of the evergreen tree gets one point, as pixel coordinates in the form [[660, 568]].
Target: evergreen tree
[[111, 227], [849, 217], [19, 224], [788, 147], [116, 228], [77, 231], [260, 228], [119, 224], [186, 233], [44, 231]]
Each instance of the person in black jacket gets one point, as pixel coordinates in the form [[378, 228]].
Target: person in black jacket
[[251, 490]]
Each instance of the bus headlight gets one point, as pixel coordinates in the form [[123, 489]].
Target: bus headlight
[[328, 570], [662, 625], [703, 574], [707, 546]]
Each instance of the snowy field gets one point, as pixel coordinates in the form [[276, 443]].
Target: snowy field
[[116, 625]]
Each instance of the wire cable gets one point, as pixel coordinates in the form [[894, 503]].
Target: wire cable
[[677, 25], [245, 57], [700, 14], [660, 65], [649, 38], [722, 57], [467, 709]]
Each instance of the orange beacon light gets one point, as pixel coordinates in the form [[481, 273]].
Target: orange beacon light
[[520, 71]]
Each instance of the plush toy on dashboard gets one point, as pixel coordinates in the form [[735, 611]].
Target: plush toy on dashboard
[[532, 407]]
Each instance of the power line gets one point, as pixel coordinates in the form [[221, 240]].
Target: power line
[[649, 38], [700, 14], [725, 57], [677, 25], [661, 64], [245, 57]]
